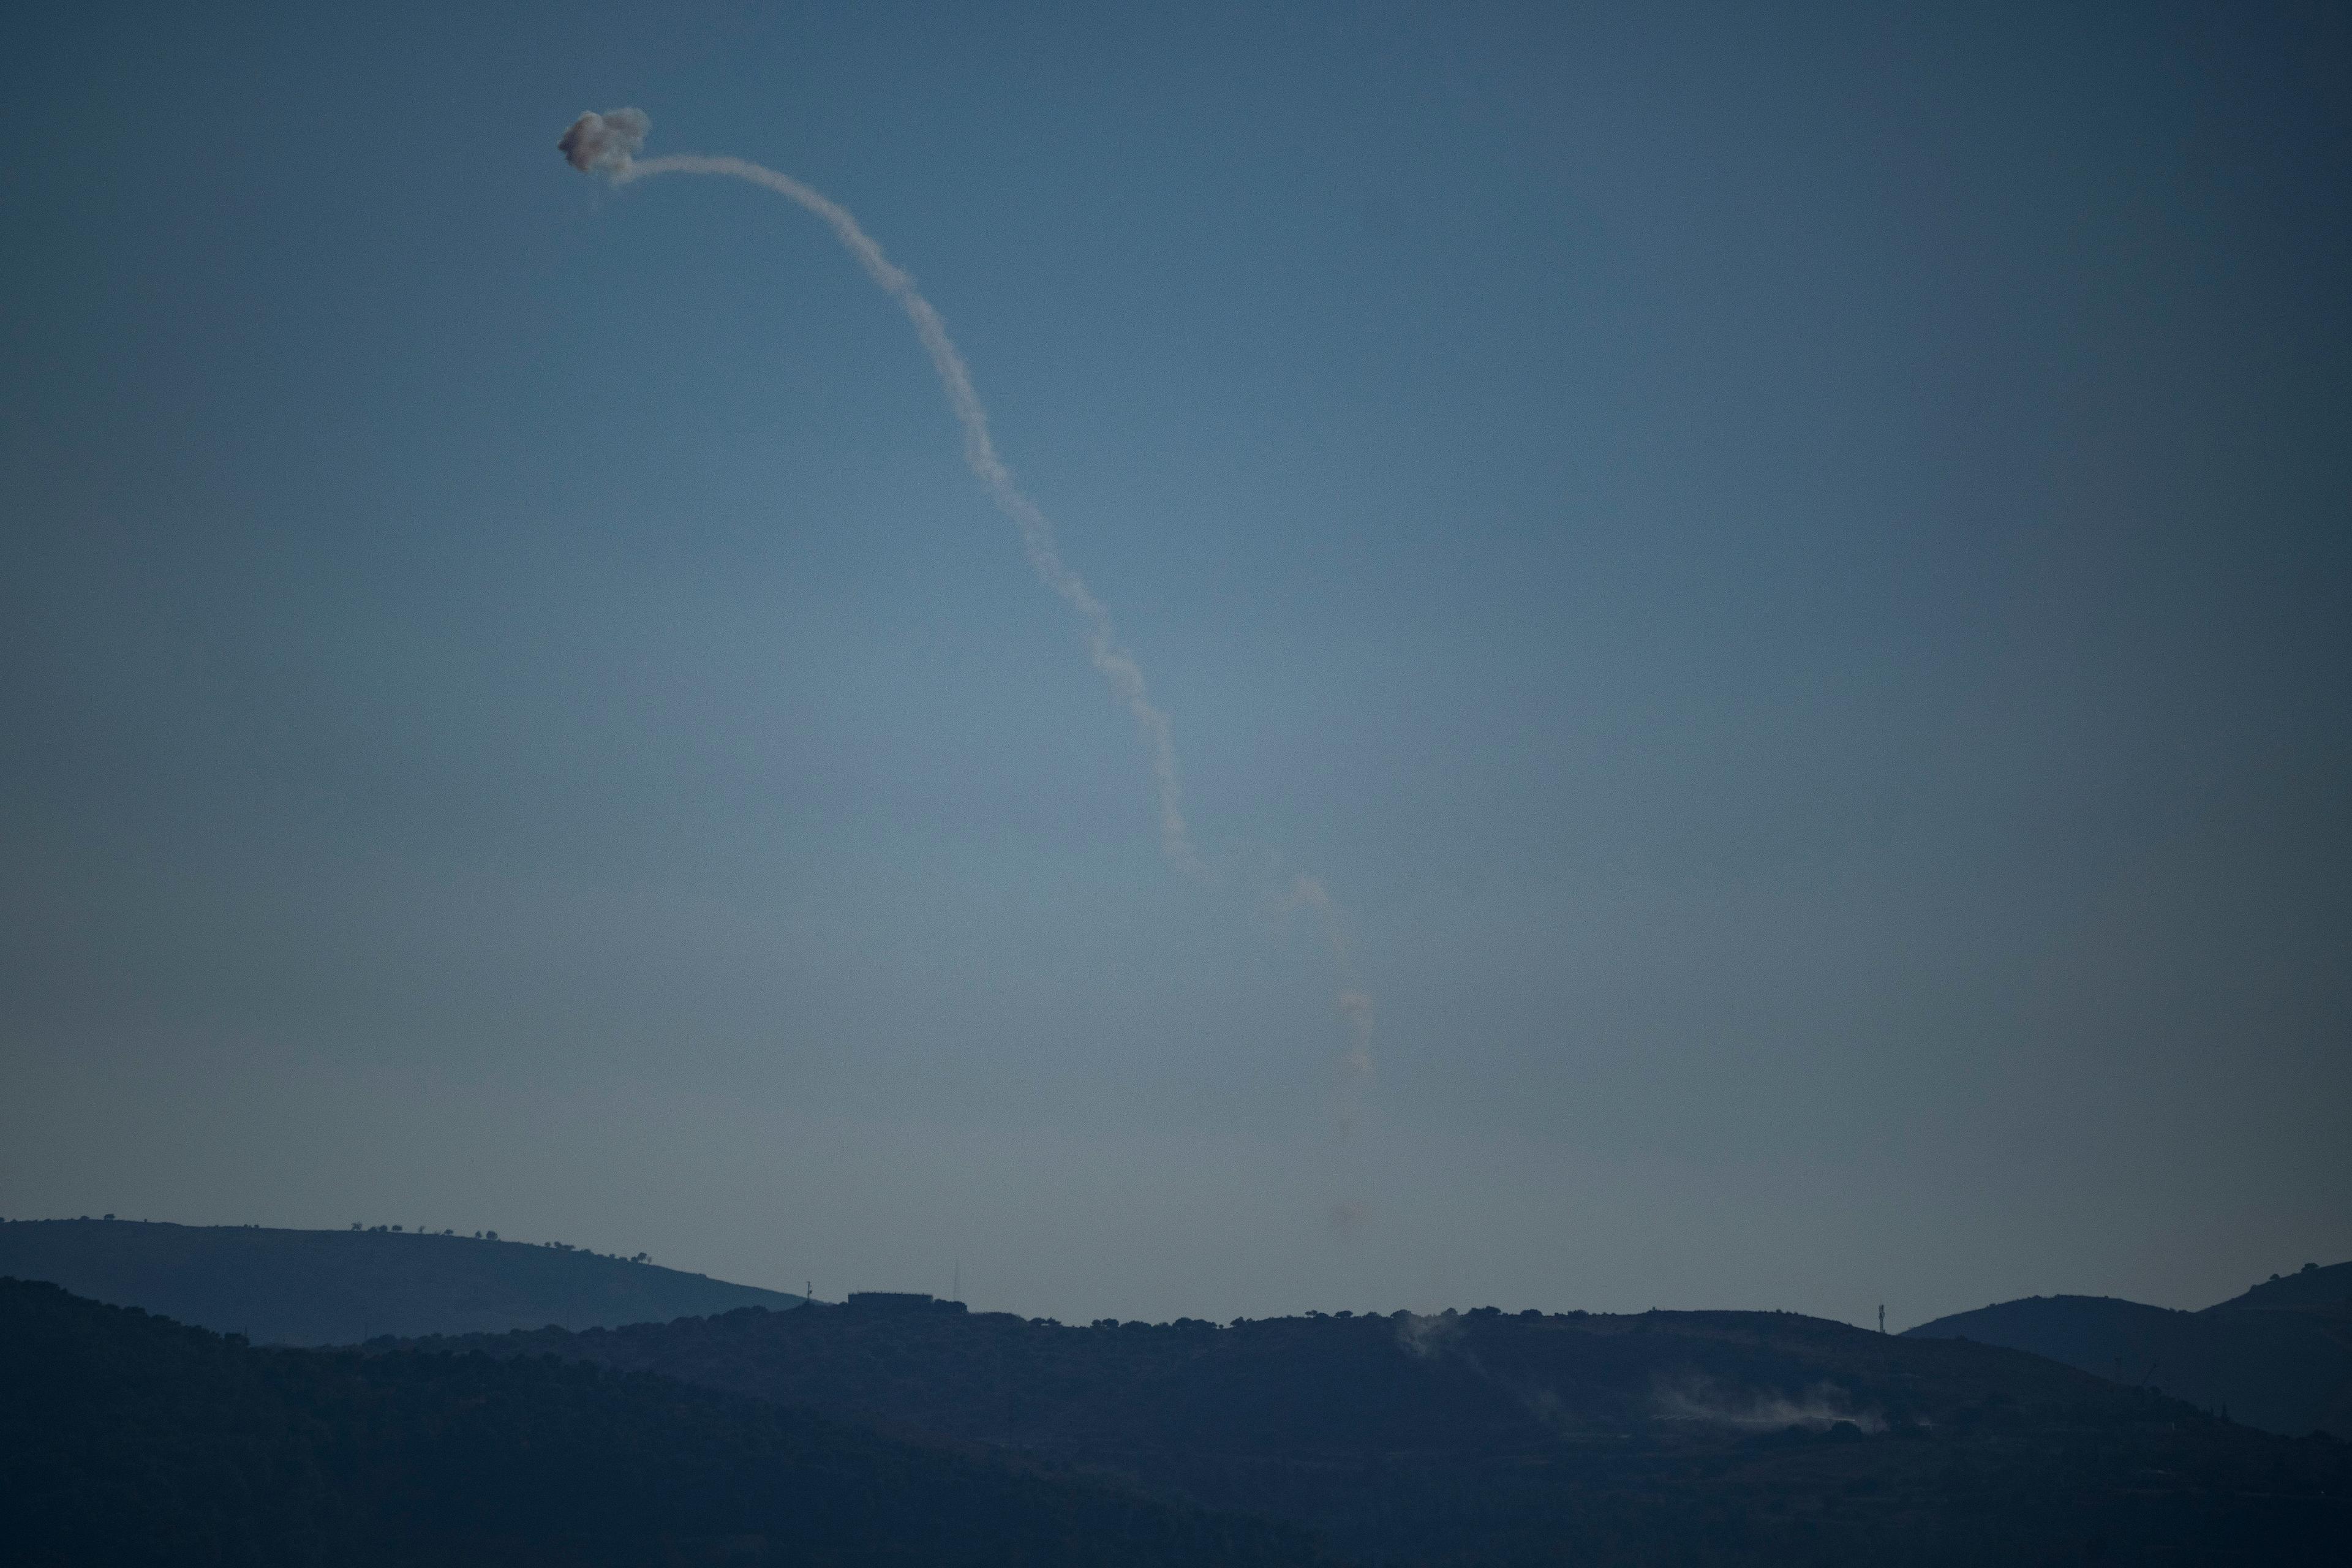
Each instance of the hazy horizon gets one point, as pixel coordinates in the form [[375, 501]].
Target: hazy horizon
[[1787, 573]]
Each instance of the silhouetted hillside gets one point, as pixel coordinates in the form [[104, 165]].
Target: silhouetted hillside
[[2310, 1287], [2278, 1357], [1719, 1437], [127, 1439], [339, 1287]]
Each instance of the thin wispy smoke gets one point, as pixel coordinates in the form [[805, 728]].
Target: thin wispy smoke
[[1427, 1334], [1439, 1337], [607, 144], [1699, 1399], [1353, 1003]]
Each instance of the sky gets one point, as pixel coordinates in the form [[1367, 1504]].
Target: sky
[[1788, 568]]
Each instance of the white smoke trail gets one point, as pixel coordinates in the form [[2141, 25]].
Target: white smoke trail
[[608, 143]]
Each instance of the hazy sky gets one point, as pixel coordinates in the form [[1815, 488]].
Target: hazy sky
[[1789, 569]]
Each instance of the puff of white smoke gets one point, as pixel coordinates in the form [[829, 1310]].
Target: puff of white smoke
[[603, 143]]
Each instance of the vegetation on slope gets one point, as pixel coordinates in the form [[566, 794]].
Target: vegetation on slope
[[127, 1439], [2278, 1357], [2309, 1289], [1486, 1439]]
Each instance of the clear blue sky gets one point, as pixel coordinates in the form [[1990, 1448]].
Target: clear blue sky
[[1788, 566]]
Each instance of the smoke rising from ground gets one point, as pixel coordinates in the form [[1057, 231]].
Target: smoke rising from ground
[[1698, 1400], [608, 143], [1438, 1336], [1425, 1334], [1688, 1397]]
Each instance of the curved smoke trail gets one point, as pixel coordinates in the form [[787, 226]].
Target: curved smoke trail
[[607, 144]]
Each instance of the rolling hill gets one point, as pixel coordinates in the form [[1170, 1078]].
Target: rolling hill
[[1481, 1438], [339, 1287], [127, 1439], [2278, 1357], [2310, 1288]]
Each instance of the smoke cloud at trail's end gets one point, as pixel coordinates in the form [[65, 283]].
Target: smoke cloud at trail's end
[[603, 143]]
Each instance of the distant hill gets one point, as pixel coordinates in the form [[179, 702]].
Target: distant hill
[[2278, 1357], [127, 1439], [2311, 1288], [1483, 1440], [339, 1287]]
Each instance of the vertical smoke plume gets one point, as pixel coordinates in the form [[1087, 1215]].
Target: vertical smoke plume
[[1353, 1004], [607, 144]]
